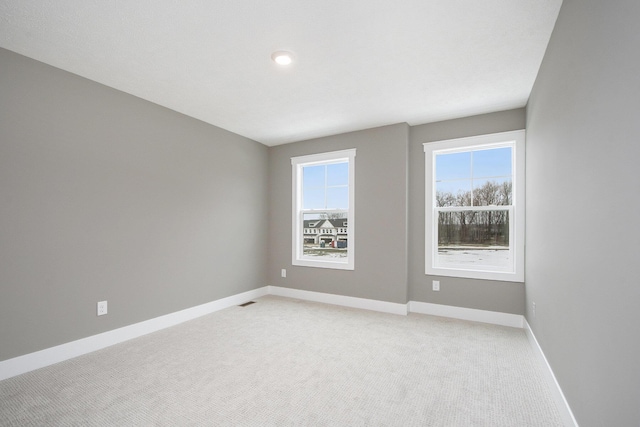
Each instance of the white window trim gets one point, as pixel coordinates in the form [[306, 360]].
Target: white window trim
[[297, 163], [517, 219]]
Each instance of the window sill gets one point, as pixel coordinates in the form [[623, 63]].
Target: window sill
[[323, 264], [476, 274]]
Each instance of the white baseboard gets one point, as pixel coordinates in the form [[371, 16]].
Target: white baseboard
[[561, 402], [484, 316], [39, 359], [363, 303]]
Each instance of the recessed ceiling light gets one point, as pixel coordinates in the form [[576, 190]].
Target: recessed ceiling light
[[282, 57]]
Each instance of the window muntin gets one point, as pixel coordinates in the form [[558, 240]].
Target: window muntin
[[322, 207], [474, 227]]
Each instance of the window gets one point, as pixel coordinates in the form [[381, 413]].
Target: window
[[323, 202], [475, 207]]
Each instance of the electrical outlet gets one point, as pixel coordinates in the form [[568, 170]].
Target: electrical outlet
[[436, 285], [534, 309], [102, 308], [283, 272]]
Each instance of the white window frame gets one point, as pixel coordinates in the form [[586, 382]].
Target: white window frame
[[297, 165], [515, 139]]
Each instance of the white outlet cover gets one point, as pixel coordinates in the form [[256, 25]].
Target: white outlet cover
[[436, 285], [102, 308]]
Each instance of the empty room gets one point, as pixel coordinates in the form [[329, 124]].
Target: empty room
[[415, 213]]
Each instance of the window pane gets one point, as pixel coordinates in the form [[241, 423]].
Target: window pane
[[338, 174], [313, 198], [453, 166], [475, 240], [338, 198], [325, 236], [453, 193], [487, 192], [313, 176], [494, 162]]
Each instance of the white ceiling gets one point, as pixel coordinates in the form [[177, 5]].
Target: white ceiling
[[359, 63]]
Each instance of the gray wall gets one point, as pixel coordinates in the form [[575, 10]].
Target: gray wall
[[381, 216], [583, 212], [507, 297], [104, 196], [390, 218]]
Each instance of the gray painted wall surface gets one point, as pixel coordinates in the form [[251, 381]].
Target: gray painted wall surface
[[507, 297], [381, 216], [104, 196], [583, 211]]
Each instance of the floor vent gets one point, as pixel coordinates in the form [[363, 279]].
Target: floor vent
[[247, 303]]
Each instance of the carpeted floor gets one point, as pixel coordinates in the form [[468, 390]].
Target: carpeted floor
[[284, 362]]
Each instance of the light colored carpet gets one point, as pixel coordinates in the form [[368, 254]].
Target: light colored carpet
[[283, 362]]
